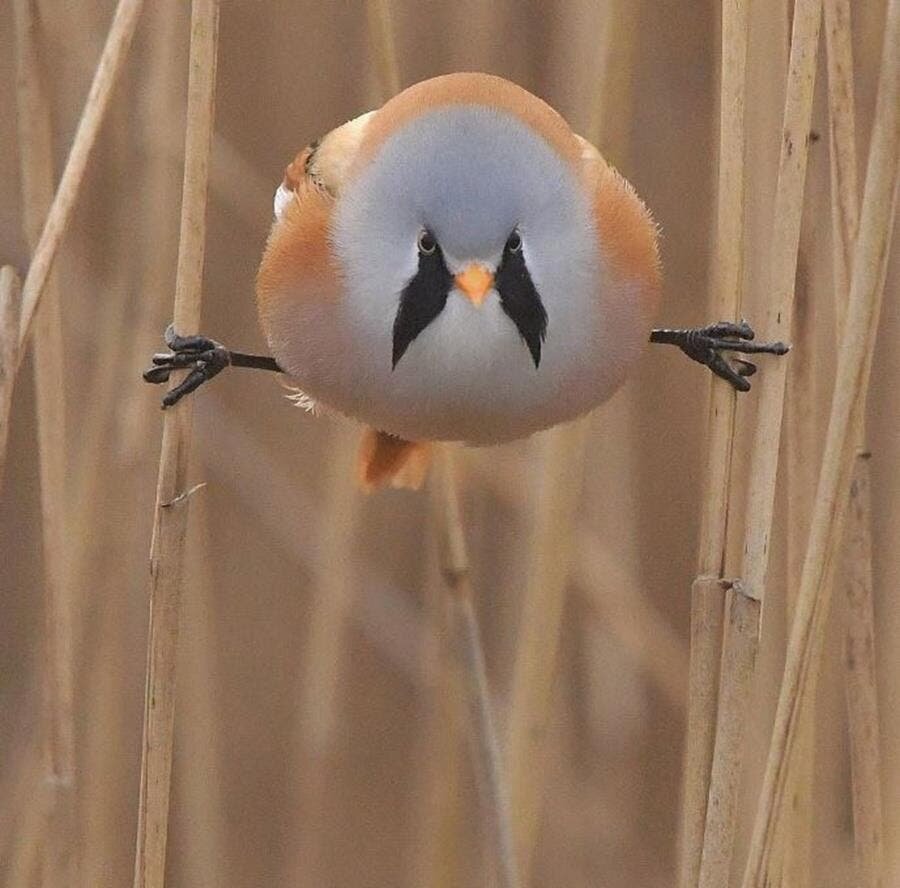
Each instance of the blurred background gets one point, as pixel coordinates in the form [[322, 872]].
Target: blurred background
[[316, 737]]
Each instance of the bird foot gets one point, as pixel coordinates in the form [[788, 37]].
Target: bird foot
[[204, 358], [706, 344]]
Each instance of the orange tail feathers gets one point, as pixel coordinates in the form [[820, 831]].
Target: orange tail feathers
[[384, 459]]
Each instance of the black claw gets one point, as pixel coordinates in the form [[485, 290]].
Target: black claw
[[203, 356], [705, 345]]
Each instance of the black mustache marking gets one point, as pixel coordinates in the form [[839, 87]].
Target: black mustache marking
[[521, 301], [421, 301]]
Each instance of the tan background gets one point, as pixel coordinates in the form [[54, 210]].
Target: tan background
[[288, 72]]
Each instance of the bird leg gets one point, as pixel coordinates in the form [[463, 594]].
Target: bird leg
[[204, 358], [706, 344]]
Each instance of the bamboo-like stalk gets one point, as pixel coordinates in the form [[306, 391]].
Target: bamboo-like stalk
[[384, 45], [332, 588], [740, 642], [438, 812], [10, 300], [61, 849], [455, 561], [613, 597], [114, 53], [707, 591], [208, 864], [167, 552], [854, 365], [541, 622], [861, 685], [611, 589], [795, 828]]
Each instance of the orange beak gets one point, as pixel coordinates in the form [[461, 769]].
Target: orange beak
[[475, 282]]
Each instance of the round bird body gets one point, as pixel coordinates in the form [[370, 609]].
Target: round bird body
[[457, 265]]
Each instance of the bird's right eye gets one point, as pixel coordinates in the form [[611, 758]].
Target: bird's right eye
[[426, 243]]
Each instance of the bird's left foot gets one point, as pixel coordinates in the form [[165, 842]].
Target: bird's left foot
[[204, 358], [706, 344]]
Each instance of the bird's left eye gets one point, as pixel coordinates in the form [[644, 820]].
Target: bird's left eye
[[426, 243], [514, 242]]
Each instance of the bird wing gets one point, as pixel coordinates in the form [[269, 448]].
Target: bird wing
[[627, 233], [323, 164]]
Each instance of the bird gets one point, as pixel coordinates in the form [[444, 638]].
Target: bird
[[457, 265]]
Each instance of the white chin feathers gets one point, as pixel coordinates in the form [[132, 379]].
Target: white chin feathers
[[283, 198]]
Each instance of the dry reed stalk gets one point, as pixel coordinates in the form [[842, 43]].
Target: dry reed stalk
[[743, 608], [61, 849], [795, 828], [854, 365], [438, 815], [385, 48], [861, 685], [332, 589], [541, 622], [207, 864], [10, 301], [610, 593], [115, 50], [707, 591], [172, 495], [626, 612], [467, 644]]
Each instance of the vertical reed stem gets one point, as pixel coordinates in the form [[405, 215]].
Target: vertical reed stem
[[115, 50], [384, 46], [744, 605], [10, 300], [861, 685], [854, 365], [707, 591], [167, 552], [61, 849], [495, 791]]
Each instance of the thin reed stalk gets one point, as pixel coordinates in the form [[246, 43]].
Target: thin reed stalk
[[208, 863], [172, 494], [859, 661], [61, 858], [384, 46], [438, 812], [318, 711], [115, 50], [611, 589], [538, 639], [869, 268], [489, 765], [740, 642], [708, 589], [10, 301], [801, 434]]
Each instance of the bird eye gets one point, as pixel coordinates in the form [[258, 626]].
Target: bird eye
[[426, 243], [514, 242]]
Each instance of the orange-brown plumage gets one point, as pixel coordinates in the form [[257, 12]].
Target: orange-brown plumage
[[311, 312]]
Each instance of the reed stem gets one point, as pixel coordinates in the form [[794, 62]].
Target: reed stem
[[170, 529], [859, 662], [851, 381], [744, 605], [115, 51], [707, 591], [489, 765], [10, 301]]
